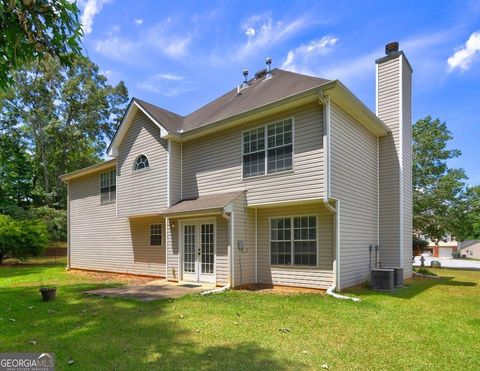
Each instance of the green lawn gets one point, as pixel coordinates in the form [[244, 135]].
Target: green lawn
[[431, 324]]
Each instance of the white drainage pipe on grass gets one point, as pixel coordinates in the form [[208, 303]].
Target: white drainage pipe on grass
[[216, 291], [423, 275], [331, 292]]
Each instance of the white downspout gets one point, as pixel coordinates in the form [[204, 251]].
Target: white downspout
[[167, 227], [68, 225], [230, 219], [232, 249], [216, 291], [169, 156], [256, 247]]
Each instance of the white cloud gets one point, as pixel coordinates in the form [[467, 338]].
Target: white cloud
[[170, 76], [90, 9], [299, 57], [464, 57], [169, 38], [166, 84], [354, 68], [120, 49], [250, 32], [138, 21], [163, 38], [263, 32]]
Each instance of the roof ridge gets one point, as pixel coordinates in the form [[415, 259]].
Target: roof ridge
[[260, 92]]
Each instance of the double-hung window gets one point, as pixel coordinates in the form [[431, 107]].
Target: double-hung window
[[155, 235], [108, 187], [293, 241], [268, 149]]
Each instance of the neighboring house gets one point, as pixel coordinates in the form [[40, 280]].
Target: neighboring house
[[284, 180], [470, 249], [443, 249]]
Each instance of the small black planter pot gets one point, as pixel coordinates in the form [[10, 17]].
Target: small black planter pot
[[48, 293]]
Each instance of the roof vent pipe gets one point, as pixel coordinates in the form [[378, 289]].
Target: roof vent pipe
[[244, 84], [245, 76], [391, 48], [268, 61]]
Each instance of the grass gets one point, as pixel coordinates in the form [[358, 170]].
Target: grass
[[430, 324]]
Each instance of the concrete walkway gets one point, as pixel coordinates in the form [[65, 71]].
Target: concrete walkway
[[153, 290], [450, 263]]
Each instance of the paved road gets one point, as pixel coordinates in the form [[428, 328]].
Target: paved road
[[450, 263]]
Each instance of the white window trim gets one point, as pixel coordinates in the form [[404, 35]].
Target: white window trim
[[266, 173], [135, 164], [292, 265], [150, 235], [100, 187]]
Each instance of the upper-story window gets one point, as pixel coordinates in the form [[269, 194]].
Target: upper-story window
[[141, 163], [108, 186], [268, 149]]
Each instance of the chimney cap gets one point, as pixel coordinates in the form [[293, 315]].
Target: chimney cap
[[391, 48]]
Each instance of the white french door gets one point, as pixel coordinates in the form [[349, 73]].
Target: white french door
[[198, 250]]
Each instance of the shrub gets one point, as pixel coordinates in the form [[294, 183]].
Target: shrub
[[21, 239]]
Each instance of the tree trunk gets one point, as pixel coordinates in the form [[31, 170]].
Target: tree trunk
[[45, 172]]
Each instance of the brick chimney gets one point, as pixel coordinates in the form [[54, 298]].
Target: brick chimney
[[394, 108]]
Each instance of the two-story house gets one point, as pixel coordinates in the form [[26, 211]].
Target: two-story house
[[284, 180]]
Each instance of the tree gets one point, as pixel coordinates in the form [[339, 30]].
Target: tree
[[464, 217], [16, 172], [30, 30], [21, 239], [66, 116], [419, 245], [436, 187]]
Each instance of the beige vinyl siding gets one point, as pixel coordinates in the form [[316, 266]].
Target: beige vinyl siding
[[320, 277], [407, 168], [222, 262], [175, 172], [389, 162], [354, 183], [143, 191], [174, 250], [244, 225], [214, 162], [101, 241]]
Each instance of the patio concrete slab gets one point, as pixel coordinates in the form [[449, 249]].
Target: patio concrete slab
[[153, 290]]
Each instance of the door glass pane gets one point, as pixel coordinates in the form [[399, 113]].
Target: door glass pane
[[207, 248], [189, 248]]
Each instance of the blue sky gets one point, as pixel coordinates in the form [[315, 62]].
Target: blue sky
[[181, 55]]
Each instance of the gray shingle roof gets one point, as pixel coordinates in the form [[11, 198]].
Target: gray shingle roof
[[207, 202], [170, 120], [260, 92]]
